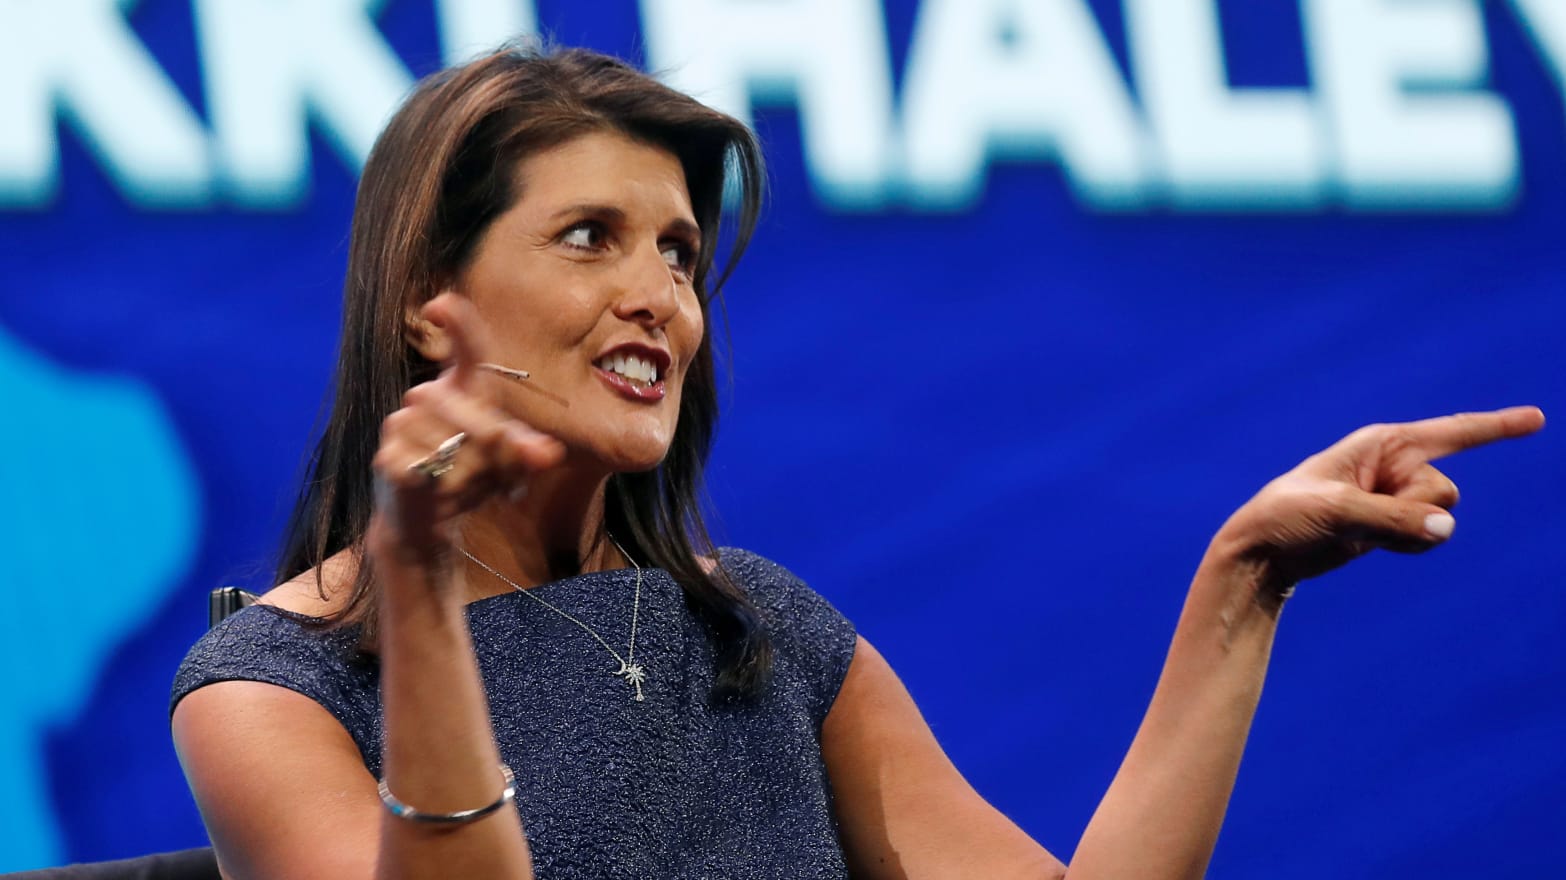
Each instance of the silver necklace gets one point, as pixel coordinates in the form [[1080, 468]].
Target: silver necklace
[[633, 673]]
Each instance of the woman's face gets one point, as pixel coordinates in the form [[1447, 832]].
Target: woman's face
[[586, 283]]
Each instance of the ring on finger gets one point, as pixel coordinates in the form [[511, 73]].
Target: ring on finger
[[442, 460]]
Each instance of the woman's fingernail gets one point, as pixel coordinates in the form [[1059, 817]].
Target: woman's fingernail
[[1440, 525]]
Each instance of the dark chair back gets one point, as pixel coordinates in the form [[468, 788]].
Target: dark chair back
[[225, 601], [189, 864]]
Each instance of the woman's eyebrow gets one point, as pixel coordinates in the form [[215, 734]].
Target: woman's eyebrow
[[681, 226], [685, 229], [596, 210]]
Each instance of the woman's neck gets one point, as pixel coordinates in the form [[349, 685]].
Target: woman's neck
[[556, 530]]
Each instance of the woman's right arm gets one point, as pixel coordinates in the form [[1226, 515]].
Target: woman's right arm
[[281, 785], [284, 792]]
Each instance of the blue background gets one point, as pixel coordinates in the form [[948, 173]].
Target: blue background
[[998, 440]]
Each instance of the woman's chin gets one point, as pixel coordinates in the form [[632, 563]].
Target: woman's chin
[[640, 463], [628, 459]]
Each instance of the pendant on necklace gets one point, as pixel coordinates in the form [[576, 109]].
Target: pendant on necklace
[[634, 675]]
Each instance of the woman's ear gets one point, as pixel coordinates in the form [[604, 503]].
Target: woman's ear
[[427, 337]]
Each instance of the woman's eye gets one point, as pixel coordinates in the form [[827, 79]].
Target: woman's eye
[[584, 235], [678, 256]]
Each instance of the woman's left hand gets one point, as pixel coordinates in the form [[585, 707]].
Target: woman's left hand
[[1374, 488]]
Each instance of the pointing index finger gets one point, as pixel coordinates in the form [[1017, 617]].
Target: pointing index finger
[[1446, 435]]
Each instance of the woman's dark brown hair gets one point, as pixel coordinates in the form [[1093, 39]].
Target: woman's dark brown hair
[[439, 174]]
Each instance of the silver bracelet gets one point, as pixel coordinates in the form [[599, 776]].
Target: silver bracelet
[[403, 811]]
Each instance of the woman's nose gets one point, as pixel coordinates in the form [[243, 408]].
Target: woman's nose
[[648, 293]]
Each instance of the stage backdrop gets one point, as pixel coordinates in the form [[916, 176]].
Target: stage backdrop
[[1044, 291]]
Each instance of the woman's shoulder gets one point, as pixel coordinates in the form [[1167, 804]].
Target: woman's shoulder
[[318, 593], [281, 640], [270, 645], [759, 576], [281, 625], [768, 583], [266, 636], [810, 634]]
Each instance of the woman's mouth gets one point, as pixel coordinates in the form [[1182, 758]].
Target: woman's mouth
[[633, 376]]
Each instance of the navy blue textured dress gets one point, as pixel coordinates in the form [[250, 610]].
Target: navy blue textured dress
[[676, 786]]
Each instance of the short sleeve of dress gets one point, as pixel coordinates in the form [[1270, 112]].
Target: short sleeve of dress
[[263, 644], [812, 639]]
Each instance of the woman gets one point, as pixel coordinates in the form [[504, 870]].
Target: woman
[[503, 644]]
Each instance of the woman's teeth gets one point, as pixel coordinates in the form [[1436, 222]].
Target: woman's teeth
[[631, 367]]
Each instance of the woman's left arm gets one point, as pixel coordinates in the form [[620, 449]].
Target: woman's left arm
[[906, 812]]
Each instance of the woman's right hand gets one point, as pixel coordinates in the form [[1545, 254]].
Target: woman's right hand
[[415, 512]]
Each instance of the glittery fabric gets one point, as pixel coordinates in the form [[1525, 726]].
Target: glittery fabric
[[676, 786]]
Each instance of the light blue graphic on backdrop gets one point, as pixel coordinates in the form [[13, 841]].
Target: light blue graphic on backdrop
[[100, 520]]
